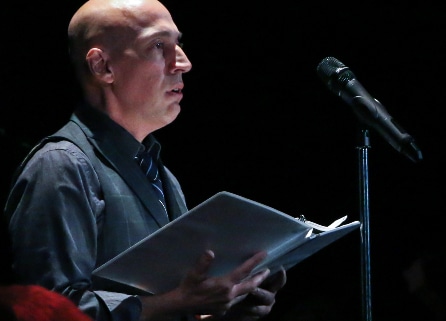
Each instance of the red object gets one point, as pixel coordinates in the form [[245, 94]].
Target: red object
[[36, 303]]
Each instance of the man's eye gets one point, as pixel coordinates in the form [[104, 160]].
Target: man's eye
[[159, 45]]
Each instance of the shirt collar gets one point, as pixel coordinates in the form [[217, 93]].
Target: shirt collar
[[152, 146], [104, 128]]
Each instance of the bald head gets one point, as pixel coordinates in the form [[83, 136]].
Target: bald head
[[94, 15], [109, 25]]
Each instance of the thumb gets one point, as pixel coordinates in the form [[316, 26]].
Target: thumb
[[201, 268]]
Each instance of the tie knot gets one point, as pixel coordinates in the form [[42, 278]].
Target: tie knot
[[148, 165]]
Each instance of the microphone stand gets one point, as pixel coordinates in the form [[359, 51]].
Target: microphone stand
[[364, 227]]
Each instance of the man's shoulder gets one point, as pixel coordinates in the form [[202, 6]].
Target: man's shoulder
[[62, 145], [61, 154]]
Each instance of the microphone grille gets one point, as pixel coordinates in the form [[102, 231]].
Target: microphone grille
[[334, 74], [327, 67]]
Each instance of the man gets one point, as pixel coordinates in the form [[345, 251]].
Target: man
[[80, 197]]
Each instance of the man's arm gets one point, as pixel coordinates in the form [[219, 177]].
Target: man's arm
[[54, 209]]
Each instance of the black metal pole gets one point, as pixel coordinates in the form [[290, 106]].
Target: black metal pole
[[365, 225]]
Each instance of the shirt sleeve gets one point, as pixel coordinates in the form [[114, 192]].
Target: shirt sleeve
[[55, 207]]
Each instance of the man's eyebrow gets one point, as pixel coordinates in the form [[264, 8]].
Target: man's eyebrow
[[163, 33]]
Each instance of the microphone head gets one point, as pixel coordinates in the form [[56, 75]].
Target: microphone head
[[334, 74]]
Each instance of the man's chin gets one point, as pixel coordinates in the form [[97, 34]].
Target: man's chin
[[172, 112]]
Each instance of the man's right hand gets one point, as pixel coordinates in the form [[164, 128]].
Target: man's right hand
[[199, 294]]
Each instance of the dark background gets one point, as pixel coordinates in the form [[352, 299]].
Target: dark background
[[257, 121]]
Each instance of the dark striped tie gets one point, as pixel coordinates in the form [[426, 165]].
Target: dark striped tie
[[150, 168]]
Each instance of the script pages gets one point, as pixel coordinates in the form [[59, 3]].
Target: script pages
[[234, 228]]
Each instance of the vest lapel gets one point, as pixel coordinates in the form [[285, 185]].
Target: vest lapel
[[130, 172]]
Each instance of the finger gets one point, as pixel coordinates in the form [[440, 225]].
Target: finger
[[251, 283], [246, 268], [262, 297], [276, 281], [258, 278], [201, 268], [254, 306]]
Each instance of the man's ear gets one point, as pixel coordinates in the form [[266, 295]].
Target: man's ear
[[98, 64]]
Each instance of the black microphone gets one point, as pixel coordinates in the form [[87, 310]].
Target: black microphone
[[341, 81]]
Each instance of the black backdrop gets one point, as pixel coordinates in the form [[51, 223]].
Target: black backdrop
[[258, 121]]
